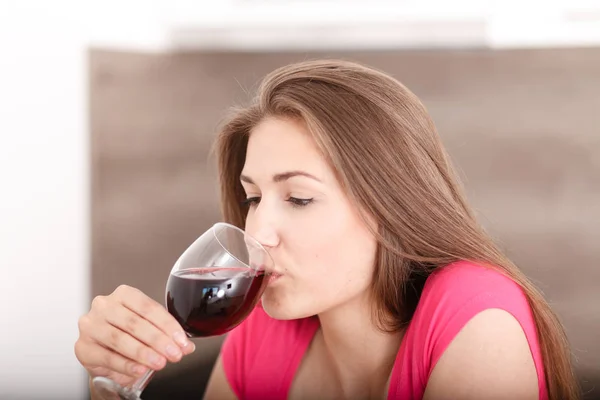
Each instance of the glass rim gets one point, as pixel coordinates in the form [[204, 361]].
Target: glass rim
[[243, 232]]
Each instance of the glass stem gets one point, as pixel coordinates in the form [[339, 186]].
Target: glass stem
[[139, 385]]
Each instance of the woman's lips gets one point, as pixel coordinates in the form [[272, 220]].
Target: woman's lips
[[274, 277]]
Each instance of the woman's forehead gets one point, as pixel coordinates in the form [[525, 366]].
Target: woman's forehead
[[280, 145]]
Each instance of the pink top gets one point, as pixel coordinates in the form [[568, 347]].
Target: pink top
[[261, 356]]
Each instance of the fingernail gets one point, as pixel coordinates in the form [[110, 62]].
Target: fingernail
[[155, 360], [139, 370], [181, 339], [173, 351]]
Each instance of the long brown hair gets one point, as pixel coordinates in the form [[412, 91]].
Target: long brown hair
[[384, 148]]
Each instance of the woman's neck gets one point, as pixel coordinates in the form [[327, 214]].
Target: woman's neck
[[360, 355]]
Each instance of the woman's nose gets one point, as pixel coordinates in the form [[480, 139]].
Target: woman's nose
[[262, 229], [267, 237]]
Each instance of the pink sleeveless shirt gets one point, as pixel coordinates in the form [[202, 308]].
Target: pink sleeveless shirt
[[261, 356]]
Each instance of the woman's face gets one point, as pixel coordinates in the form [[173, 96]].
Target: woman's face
[[321, 247]]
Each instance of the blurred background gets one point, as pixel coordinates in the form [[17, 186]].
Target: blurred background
[[108, 110]]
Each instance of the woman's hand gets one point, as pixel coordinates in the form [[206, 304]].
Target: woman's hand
[[126, 333]]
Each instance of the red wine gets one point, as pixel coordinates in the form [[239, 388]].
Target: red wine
[[212, 301]]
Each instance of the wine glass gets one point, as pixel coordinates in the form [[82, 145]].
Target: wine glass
[[212, 288]]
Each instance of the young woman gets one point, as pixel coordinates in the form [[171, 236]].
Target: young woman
[[385, 285]]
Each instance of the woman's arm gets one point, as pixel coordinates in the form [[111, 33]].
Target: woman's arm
[[218, 387], [488, 359]]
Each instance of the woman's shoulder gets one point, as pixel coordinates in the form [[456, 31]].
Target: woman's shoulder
[[455, 293], [453, 296], [465, 281]]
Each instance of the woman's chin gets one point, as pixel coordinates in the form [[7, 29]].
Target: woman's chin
[[276, 309], [282, 310]]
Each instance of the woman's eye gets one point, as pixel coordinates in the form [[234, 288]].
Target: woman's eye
[[296, 202], [251, 201]]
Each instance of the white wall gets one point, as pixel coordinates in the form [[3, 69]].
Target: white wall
[[44, 178], [325, 24], [273, 25], [551, 23], [302, 24]]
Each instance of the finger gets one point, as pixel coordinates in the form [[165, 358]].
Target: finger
[[101, 361], [127, 346], [149, 309], [146, 332], [121, 379]]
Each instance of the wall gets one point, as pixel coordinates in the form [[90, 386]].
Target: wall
[[44, 175]]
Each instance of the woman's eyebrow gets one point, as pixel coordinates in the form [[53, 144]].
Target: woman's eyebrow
[[282, 177]]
